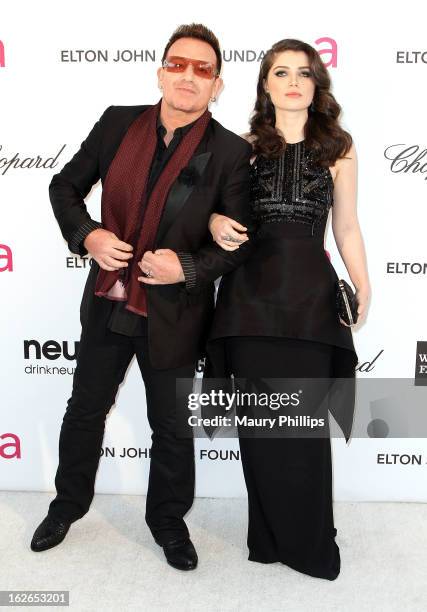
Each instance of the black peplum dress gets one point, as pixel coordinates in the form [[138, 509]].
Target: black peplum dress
[[276, 317]]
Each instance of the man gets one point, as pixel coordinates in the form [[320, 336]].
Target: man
[[150, 291]]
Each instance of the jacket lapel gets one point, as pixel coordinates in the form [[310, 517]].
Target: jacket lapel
[[179, 194]]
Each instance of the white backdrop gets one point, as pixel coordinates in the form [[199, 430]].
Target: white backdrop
[[48, 106]]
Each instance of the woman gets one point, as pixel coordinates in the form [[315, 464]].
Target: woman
[[276, 314]]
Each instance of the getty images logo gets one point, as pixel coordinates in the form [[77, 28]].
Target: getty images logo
[[421, 364]]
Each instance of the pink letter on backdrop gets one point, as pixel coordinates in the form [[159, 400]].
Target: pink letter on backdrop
[[332, 50], [8, 257], [2, 64], [16, 445]]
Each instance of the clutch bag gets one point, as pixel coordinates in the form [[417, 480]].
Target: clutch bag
[[346, 302]]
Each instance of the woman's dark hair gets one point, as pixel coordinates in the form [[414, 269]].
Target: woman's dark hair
[[322, 131], [200, 32]]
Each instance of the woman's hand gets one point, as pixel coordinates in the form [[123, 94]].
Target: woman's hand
[[223, 230], [362, 296]]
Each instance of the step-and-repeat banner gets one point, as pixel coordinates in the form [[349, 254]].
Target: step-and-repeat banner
[[60, 67]]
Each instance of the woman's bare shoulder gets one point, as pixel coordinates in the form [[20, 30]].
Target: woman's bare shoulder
[[348, 160], [350, 155]]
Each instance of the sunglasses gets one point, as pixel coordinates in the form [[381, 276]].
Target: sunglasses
[[205, 70]]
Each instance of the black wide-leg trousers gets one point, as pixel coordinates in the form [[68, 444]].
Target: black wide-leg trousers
[[102, 361], [288, 479]]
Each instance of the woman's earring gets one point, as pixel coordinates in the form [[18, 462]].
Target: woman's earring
[[213, 99], [160, 86], [311, 107]]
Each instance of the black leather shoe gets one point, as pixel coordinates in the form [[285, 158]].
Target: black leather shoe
[[181, 554], [49, 533]]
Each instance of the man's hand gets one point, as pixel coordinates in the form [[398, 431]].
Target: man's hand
[[163, 268], [105, 248], [226, 232]]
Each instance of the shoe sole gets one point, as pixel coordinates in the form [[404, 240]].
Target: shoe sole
[[182, 569]]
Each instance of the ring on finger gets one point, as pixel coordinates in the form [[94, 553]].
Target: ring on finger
[[231, 239]]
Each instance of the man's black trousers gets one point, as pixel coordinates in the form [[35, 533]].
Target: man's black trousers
[[102, 360]]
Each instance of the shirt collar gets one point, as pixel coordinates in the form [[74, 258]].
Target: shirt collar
[[180, 131]]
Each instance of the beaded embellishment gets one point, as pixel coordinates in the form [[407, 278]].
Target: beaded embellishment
[[291, 188]]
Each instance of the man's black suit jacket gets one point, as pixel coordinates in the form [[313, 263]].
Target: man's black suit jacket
[[179, 315]]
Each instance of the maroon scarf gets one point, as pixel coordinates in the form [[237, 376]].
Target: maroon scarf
[[124, 194]]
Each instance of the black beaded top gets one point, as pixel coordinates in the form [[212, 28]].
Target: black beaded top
[[291, 188]]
